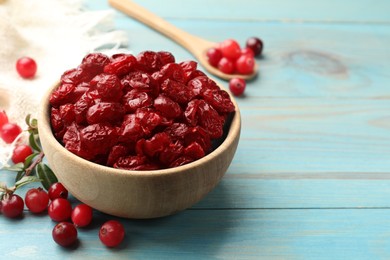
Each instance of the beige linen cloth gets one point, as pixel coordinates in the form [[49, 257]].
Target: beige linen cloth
[[57, 34]]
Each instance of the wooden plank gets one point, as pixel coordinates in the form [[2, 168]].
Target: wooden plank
[[221, 234], [269, 10], [300, 60]]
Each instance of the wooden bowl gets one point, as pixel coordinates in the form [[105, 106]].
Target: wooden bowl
[[137, 194]]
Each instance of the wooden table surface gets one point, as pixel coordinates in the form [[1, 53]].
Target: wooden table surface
[[311, 176]]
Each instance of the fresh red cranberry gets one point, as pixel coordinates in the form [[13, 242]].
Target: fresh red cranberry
[[36, 200], [247, 51], [82, 215], [12, 206], [256, 45], [57, 190], [20, 153], [3, 118], [214, 55], [237, 86], [245, 64], [9, 132], [230, 49], [60, 210], [26, 67], [226, 66], [64, 234], [112, 233]]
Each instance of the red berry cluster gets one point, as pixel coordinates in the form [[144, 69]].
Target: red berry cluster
[[8, 132], [142, 112], [60, 210], [229, 58]]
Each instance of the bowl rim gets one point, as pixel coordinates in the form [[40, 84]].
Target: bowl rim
[[44, 124]]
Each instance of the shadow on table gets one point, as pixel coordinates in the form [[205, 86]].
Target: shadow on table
[[201, 230]]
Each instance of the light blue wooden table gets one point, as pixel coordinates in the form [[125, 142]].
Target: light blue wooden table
[[311, 176]]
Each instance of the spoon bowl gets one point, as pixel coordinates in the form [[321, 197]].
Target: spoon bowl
[[196, 45]]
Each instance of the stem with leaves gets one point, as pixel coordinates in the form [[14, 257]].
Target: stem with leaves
[[33, 169]]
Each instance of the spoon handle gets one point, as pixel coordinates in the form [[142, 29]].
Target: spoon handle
[[148, 18]]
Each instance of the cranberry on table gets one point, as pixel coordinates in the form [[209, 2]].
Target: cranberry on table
[[26, 67], [20, 153], [36, 200], [12, 206], [57, 190], [82, 215], [237, 86], [112, 233], [64, 234], [3, 118], [256, 45], [9, 132], [60, 210]]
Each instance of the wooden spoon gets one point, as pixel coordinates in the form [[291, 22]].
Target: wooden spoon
[[197, 46]]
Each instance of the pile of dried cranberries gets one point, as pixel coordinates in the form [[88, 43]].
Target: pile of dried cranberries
[[142, 112]]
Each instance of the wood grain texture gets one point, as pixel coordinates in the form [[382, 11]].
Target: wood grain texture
[[311, 175]]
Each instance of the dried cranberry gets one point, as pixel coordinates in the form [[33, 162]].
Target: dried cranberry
[[98, 138], [188, 68], [149, 61], [148, 120], [67, 114], [135, 163], [172, 71], [116, 152], [130, 130], [177, 91], [81, 107], [109, 87], [56, 120], [199, 135], [140, 81], [121, 65], [219, 100], [75, 76], [200, 84], [105, 112], [198, 112], [194, 150], [177, 131], [181, 161], [167, 107], [171, 153], [156, 144], [165, 57], [135, 99], [94, 63], [72, 142]]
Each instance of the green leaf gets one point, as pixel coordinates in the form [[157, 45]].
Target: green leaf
[[33, 142], [46, 175], [28, 119], [29, 159], [15, 168], [26, 180], [19, 175]]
